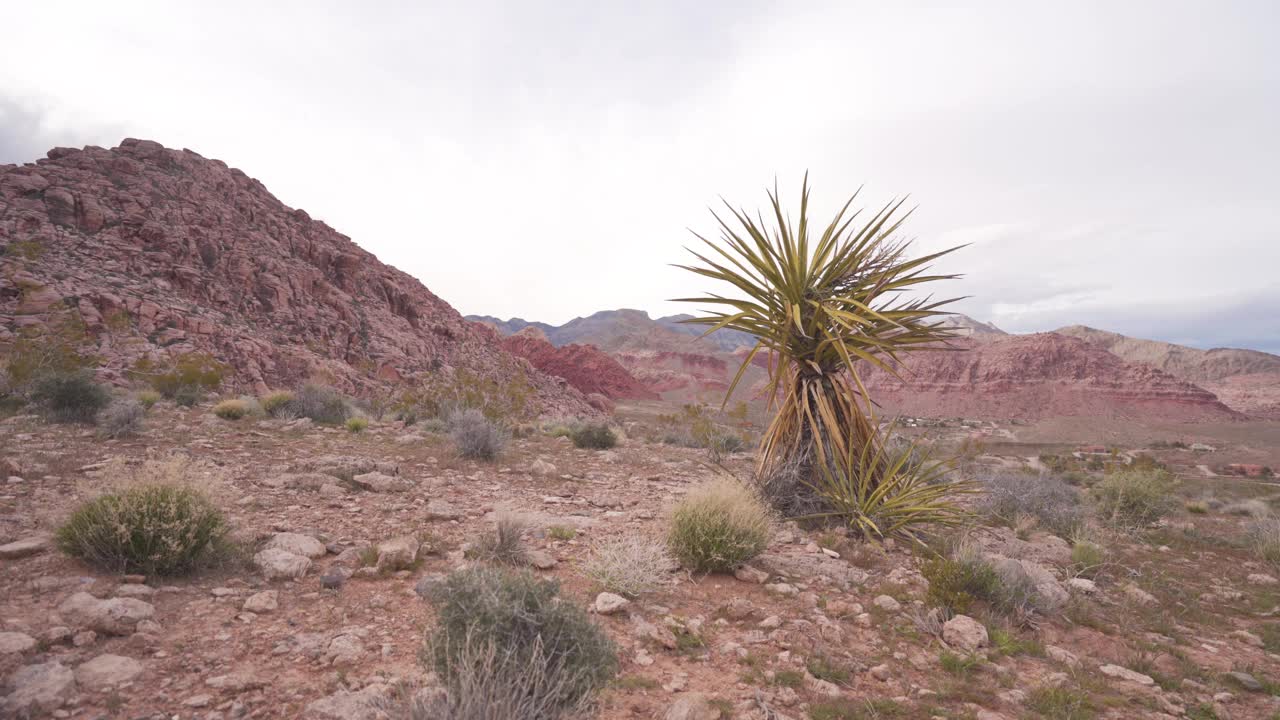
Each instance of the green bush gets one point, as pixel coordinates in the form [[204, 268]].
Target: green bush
[[277, 404], [476, 436], [1087, 558], [595, 436], [187, 396], [526, 621], [357, 424], [70, 397], [956, 583], [148, 398], [152, 529], [183, 378], [1135, 498], [718, 526], [231, 409]]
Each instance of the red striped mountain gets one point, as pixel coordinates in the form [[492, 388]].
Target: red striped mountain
[[585, 367]]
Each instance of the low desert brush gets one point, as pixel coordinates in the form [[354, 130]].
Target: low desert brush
[[231, 409], [357, 425], [503, 544], [476, 436], [277, 404], [121, 418], [148, 398], [1088, 557], [152, 520], [1264, 540], [959, 579], [718, 526], [529, 628], [1052, 503], [1135, 498], [321, 404], [594, 436], [71, 397], [629, 565]]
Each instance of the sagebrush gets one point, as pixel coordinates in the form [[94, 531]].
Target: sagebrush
[[718, 526], [1010, 497], [476, 436]]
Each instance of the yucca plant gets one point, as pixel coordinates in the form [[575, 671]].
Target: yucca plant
[[819, 307]]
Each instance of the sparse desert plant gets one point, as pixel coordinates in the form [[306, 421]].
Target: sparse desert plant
[[503, 544], [629, 565], [1060, 703], [529, 625], [121, 418], [819, 307], [148, 398], [320, 404], [1253, 508], [185, 378], [231, 409], [1135, 498], [71, 397], [357, 424], [277, 404], [1264, 539], [959, 579], [153, 520], [718, 526], [476, 436], [1088, 558], [561, 532], [1054, 504], [594, 436], [878, 491], [434, 426]]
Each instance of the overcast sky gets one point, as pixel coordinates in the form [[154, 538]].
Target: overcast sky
[[1115, 164]]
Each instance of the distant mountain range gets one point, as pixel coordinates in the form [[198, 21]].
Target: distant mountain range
[[1075, 371]]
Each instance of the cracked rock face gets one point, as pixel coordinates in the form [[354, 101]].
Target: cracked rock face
[[180, 253]]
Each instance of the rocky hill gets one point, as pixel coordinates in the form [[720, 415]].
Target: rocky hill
[[1247, 380], [585, 367], [164, 252]]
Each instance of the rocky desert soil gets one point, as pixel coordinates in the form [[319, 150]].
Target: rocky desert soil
[[1182, 622]]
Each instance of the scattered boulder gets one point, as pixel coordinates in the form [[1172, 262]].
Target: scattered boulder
[[39, 688], [365, 704], [117, 616], [542, 467], [15, 642], [749, 574], [23, 548], [541, 559], [1048, 594], [608, 603], [281, 564], [1124, 673], [398, 553], [965, 634], [297, 544], [884, 602], [380, 483], [263, 602], [693, 706], [107, 670], [441, 510]]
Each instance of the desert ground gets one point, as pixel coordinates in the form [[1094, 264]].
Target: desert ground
[[1179, 620]]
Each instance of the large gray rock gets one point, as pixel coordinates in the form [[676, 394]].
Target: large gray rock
[[964, 634], [398, 553], [116, 616], [296, 543], [107, 670], [277, 564], [693, 706], [380, 483], [39, 689]]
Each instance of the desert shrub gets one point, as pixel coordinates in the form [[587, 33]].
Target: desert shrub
[[880, 490], [1054, 504], [629, 565], [357, 424], [148, 398], [442, 393], [718, 526], [1253, 508], [185, 378], [561, 532], [1088, 558], [277, 404], [156, 523], [1264, 539], [527, 626], [434, 426], [595, 436], [54, 349], [958, 580], [70, 397], [503, 545], [476, 436], [121, 418], [1060, 703], [231, 409], [320, 404], [1135, 498]]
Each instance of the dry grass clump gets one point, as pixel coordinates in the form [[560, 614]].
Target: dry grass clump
[[503, 545], [148, 398], [507, 646], [1264, 539], [121, 418], [629, 565], [718, 526], [357, 424], [153, 519], [1009, 498], [1252, 508], [1135, 498], [231, 409], [476, 437], [593, 436], [276, 404]]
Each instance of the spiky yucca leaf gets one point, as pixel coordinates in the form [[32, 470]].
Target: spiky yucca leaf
[[880, 492], [818, 307]]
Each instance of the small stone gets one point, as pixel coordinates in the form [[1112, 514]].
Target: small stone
[[1245, 680], [134, 591], [965, 634], [281, 564], [441, 510], [784, 589], [1138, 595], [39, 688], [884, 602], [263, 602], [608, 603], [335, 577], [771, 622], [693, 706], [542, 467], [1124, 673], [23, 548], [751, 574], [117, 616], [1082, 585], [881, 672], [15, 642], [297, 544], [541, 559], [1247, 638], [1262, 579], [198, 701], [84, 638], [1061, 655]]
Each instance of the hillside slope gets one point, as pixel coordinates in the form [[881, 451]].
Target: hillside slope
[[164, 252]]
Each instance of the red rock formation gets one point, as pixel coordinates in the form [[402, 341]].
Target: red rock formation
[[1038, 376], [164, 252], [585, 367]]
